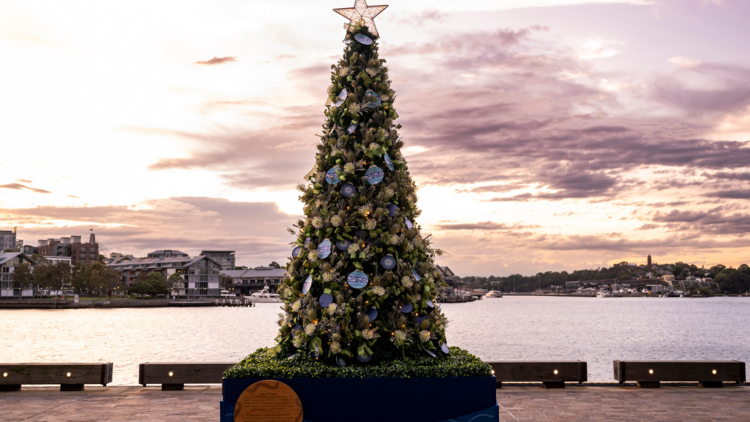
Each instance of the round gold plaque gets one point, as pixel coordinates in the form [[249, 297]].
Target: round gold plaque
[[268, 401]]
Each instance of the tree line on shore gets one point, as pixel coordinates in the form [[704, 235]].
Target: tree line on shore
[[730, 280]]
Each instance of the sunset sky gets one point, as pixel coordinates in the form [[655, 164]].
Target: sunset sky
[[543, 134]]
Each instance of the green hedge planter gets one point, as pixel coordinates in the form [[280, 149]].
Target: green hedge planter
[[456, 388]]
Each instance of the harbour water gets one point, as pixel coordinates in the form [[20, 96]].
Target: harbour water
[[511, 328]]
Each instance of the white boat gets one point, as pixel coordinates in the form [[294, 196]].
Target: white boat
[[264, 296], [494, 293], [602, 294]]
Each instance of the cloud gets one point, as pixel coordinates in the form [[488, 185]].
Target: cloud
[[685, 62], [256, 230], [217, 60], [506, 187], [730, 194], [250, 158], [513, 116], [515, 198], [518, 119], [24, 181], [729, 92], [507, 104], [18, 186], [680, 216], [745, 176], [715, 221], [316, 71], [420, 18], [486, 226], [598, 49]]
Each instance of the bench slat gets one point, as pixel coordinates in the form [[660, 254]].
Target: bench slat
[[532, 371], [182, 373], [702, 371], [56, 373], [551, 373]]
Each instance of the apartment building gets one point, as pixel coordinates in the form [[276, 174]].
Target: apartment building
[[167, 253], [224, 258], [247, 282], [201, 274], [8, 263], [85, 253], [7, 240]]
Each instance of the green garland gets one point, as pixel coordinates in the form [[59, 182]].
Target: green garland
[[359, 132], [458, 364]]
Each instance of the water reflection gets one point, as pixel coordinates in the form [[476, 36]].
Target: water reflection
[[512, 328]]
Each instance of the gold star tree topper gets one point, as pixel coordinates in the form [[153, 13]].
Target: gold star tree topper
[[362, 14]]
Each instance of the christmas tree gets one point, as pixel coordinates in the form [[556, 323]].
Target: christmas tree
[[362, 283]]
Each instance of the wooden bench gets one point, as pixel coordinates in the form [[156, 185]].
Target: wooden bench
[[70, 376], [649, 373], [552, 374], [174, 376]]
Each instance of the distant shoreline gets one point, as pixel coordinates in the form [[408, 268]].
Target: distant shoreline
[[102, 304]]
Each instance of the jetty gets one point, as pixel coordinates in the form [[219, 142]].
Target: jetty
[[120, 303]]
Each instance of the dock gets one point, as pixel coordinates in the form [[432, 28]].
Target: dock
[[121, 303], [201, 403]]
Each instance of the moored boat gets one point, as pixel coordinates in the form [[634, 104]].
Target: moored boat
[[264, 296]]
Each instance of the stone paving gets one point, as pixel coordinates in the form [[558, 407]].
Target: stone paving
[[516, 403]]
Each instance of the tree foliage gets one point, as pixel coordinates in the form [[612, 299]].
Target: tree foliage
[[52, 277], [227, 282], [22, 276], [175, 282], [735, 281], [365, 219], [150, 284], [95, 278], [724, 276]]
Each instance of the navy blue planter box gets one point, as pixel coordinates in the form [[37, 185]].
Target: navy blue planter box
[[458, 399]]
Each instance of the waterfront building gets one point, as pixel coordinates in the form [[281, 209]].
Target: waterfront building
[[54, 260], [167, 253], [669, 279], [28, 250], [247, 282], [85, 253], [116, 257], [655, 288], [572, 286], [691, 281], [8, 263], [201, 274], [452, 280], [7, 239], [224, 258]]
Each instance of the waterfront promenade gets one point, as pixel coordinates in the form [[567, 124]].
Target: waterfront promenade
[[575, 403]]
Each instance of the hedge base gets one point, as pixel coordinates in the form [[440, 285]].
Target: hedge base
[[454, 399]]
